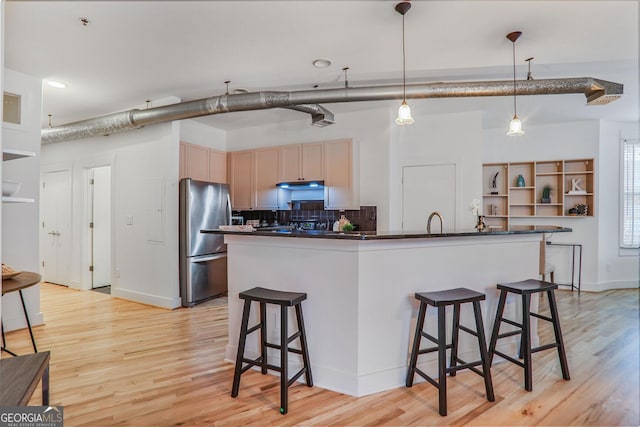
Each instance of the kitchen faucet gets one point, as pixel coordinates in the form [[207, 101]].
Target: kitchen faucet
[[434, 213]]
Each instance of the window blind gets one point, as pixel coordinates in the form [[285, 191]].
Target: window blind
[[631, 194]]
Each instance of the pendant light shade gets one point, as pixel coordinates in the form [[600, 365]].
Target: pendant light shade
[[515, 126], [404, 115], [404, 112]]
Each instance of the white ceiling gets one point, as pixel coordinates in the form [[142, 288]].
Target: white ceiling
[[132, 51]]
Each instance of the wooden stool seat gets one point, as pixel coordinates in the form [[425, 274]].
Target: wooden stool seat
[[440, 300], [20, 376], [526, 288], [285, 300]]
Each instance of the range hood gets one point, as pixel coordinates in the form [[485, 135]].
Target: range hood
[[301, 185]]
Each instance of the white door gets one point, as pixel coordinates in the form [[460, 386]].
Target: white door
[[101, 226], [425, 189], [56, 227]]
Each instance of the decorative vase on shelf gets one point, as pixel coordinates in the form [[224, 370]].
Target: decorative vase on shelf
[[520, 181]]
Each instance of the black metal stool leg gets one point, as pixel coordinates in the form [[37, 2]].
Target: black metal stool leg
[[454, 338], [484, 355], [303, 345], [284, 355], [263, 338], [241, 342], [416, 344], [442, 361], [553, 308], [525, 343], [496, 325]]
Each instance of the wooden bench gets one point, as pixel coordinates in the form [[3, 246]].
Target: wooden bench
[[20, 376]]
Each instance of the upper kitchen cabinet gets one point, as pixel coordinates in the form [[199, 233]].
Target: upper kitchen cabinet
[[302, 162], [202, 163], [217, 166], [265, 178], [341, 174], [240, 179]]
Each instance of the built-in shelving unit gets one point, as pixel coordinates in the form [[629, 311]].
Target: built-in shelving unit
[[505, 196], [11, 154]]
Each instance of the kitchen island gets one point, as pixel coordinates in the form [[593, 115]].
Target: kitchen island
[[360, 311]]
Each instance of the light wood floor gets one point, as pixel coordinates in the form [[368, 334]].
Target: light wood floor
[[115, 362]]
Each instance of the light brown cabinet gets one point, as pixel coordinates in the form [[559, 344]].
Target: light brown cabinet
[[217, 166], [240, 179], [302, 162], [265, 178], [571, 183], [253, 174], [202, 163], [340, 175]]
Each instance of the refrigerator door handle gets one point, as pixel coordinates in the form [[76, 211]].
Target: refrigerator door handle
[[229, 208], [207, 258]]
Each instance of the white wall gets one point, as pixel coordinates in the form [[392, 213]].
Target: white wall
[[370, 129], [617, 268], [197, 133], [20, 247], [145, 209], [437, 139], [598, 234]]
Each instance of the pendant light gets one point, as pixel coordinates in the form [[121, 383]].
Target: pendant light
[[404, 112], [515, 126]]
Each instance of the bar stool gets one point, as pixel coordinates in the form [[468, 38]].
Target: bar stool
[[284, 300], [526, 288], [441, 300]]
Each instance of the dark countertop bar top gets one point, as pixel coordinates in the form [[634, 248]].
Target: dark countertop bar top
[[388, 235]]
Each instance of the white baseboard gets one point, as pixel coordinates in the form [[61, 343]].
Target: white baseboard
[[153, 300], [607, 286]]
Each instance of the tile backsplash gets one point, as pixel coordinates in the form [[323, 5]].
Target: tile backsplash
[[364, 219]]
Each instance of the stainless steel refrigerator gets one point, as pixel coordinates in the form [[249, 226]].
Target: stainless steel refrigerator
[[203, 257]]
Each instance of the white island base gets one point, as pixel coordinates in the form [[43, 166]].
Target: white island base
[[360, 312]]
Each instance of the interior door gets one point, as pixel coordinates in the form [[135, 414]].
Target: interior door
[[101, 226], [425, 189], [56, 227]]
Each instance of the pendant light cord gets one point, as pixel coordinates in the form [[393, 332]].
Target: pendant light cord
[[515, 111], [404, 66]]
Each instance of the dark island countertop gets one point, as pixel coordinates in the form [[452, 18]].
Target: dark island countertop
[[381, 235]]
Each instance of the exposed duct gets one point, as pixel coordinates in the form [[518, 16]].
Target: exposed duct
[[597, 92]]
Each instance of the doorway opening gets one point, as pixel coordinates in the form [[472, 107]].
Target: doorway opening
[[100, 228]]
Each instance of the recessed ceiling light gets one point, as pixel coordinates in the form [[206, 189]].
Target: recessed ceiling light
[[322, 63], [56, 84]]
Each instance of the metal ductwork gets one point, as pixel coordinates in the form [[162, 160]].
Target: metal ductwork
[[597, 92]]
